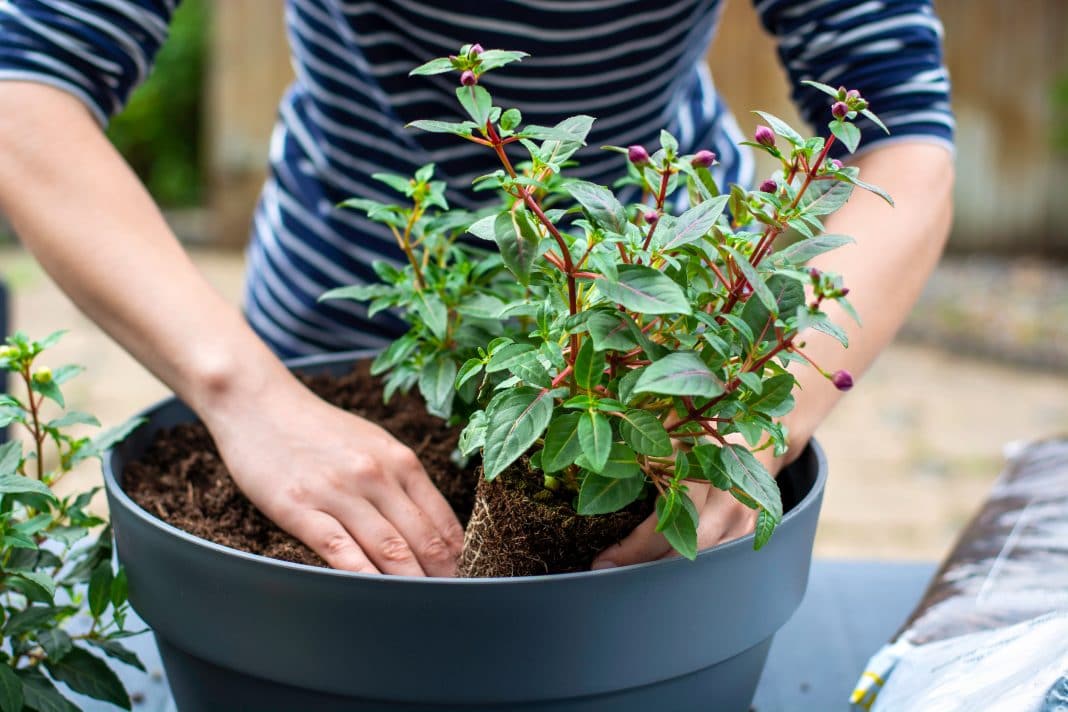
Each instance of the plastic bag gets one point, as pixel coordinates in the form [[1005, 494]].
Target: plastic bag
[[998, 600]]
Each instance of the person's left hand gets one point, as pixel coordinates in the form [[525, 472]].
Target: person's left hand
[[722, 518]]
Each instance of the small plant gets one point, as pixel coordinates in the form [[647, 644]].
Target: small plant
[[634, 347], [60, 597]]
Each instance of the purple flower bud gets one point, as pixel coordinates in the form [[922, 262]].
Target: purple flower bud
[[468, 78], [839, 110], [651, 216], [844, 291], [703, 159], [769, 186], [476, 49], [638, 155], [842, 380], [764, 136], [852, 94], [814, 274], [837, 164]]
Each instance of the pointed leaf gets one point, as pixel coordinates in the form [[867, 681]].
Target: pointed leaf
[[803, 250], [847, 133], [600, 204], [645, 290], [10, 458], [602, 495], [85, 673], [115, 649], [692, 225], [436, 385], [760, 288], [40, 695], [765, 527], [595, 435], [589, 366], [562, 444], [644, 432], [678, 523], [514, 420], [679, 374], [610, 331], [10, 690]]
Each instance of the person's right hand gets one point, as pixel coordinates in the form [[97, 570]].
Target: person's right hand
[[342, 485]]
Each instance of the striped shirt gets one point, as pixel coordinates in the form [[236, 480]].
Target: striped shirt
[[636, 64]]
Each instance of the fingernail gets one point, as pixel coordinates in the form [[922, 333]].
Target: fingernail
[[603, 564]]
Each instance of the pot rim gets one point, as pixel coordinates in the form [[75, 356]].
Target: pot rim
[[118, 495]]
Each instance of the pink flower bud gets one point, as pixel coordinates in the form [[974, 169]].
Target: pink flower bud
[[844, 291], [651, 216], [769, 186], [764, 136], [468, 78], [814, 274], [852, 94], [638, 155], [839, 110], [703, 159], [842, 380], [476, 49], [836, 164]]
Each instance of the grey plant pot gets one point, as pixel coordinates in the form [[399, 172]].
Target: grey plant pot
[[243, 632]]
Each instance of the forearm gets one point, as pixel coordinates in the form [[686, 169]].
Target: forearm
[[85, 216], [895, 252]]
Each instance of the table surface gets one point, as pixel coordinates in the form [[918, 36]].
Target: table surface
[[851, 609]]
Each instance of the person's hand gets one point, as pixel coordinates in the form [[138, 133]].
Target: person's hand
[[342, 485], [721, 519]]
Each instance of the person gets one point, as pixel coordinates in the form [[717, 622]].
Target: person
[[341, 484]]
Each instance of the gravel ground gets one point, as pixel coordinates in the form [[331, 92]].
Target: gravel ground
[[912, 449]]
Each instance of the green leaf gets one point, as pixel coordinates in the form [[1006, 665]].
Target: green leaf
[[17, 484], [679, 374], [621, 463], [830, 200], [529, 369], [64, 373], [765, 527], [692, 225], [493, 58], [432, 312], [760, 288], [119, 588], [678, 522], [867, 186], [510, 119], [748, 475], [875, 119], [51, 340], [775, 399], [645, 290], [49, 390], [473, 436], [515, 419], [789, 294], [10, 458], [713, 468], [644, 432], [601, 495], [55, 642], [436, 385], [562, 444], [518, 241], [610, 331], [115, 649], [89, 675], [847, 133], [781, 128], [803, 250], [574, 130], [595, 435], [476, 102], [504, 357], [589, 366], [102, 442], [10, 690], [471, 368], [74, 417], [100, 588], [434, 66], [32, 618], [34, 585], [600, 204], [40, 695], [457, 129]]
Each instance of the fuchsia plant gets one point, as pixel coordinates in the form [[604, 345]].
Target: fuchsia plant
[[620, 350]]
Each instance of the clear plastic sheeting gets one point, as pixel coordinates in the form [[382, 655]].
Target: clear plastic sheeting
[[994, 621]]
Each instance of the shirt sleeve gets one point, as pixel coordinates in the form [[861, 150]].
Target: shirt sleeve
[[889, 50], [97, 50]]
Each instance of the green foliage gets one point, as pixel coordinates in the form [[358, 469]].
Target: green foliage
[[160, 132], [59, 594], [625, 350]]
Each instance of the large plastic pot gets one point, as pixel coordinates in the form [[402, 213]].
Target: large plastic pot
[[238, 631]]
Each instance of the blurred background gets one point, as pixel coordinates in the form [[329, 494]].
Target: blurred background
[[981, 365]]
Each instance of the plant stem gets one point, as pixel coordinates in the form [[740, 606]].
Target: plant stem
[[38, 434]]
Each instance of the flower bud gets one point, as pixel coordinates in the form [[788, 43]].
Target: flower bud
[[468, 78], [852, 94], [769, 186], [842, 93], [651, 216], [836, 164], [638, 155], [844, 291], [476, 49], [814, 274], [839, 110], [703, 159], [42, 375], [842, 380], [764, 136]]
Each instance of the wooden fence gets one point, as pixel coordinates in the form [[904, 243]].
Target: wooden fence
[[1005, 58]]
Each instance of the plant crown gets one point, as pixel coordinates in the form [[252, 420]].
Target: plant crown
[[60, 597], [625, 347]]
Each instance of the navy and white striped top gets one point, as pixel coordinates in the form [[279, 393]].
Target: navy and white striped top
[[636, 64]]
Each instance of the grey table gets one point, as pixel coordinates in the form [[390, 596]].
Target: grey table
[[850, 610]]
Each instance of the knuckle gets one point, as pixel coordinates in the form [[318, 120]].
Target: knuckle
[[405, 459], [454, 532], [296, 492], [395, 550], [338, 544], [435, 549]]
